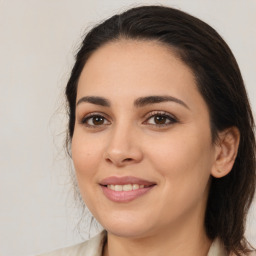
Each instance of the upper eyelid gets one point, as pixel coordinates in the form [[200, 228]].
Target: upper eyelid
[[160, 112], [86, 117], [96, 113]]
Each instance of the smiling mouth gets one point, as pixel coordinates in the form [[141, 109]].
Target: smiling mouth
[[125, 189]]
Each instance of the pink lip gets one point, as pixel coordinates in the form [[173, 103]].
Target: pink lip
[[125, 196]]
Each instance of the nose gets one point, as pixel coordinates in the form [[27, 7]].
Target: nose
[[123, 147]]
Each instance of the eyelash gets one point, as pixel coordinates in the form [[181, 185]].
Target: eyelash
[[87, 118], [171, 119], [168, 117]]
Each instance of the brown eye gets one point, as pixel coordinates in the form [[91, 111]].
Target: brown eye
[[98, 120], [160, 119], [95, 120]]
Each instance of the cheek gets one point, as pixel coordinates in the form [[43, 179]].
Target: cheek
[[86, 156], [184, 163], [86, 150]]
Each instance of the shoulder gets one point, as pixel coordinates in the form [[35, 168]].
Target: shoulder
[[253, 253], [92, 247], [217, 248]]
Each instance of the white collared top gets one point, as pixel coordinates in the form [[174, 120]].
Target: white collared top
[[94, 246]]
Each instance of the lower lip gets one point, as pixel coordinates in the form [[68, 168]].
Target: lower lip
[[124, 196]]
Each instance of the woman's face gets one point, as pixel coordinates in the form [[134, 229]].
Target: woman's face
[[142, 146]]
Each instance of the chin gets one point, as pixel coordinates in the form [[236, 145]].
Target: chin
[[132, 232], [127, 227]]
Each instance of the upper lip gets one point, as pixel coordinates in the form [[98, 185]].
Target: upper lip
[[114, 180]]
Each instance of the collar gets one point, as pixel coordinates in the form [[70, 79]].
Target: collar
[[217, 248], [95, 246]]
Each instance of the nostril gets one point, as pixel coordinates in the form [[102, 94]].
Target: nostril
[[108, 160], [128, 159]]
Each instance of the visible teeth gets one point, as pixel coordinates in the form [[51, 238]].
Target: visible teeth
[[135, 186], [118, 188], [126, 187]]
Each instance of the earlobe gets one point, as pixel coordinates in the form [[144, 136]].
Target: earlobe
[[226, 151]]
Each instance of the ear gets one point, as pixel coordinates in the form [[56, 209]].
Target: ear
[[226, 151]]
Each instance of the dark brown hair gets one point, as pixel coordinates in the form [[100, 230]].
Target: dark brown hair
[[221, 85]]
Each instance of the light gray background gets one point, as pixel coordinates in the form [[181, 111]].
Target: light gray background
[[38, 39]]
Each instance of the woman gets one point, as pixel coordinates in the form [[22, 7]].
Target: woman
[[161, 136]]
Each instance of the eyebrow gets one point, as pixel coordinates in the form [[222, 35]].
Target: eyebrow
[[143, 101], [95, 100], [140, 102]]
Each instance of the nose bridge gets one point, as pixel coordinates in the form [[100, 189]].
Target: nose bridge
[[123, 146]]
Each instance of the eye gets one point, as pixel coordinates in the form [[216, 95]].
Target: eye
[[94, 120], [160, 119]]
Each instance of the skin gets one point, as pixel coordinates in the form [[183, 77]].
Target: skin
[[178, 155]]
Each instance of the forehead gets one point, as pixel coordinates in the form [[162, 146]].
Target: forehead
[[141, 67]]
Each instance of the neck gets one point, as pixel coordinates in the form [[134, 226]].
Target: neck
[[179, 241], [185, 236]]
